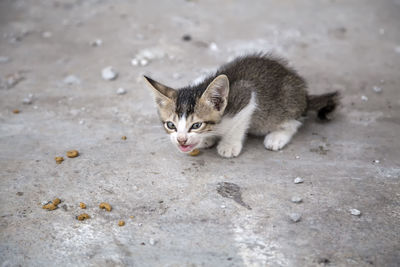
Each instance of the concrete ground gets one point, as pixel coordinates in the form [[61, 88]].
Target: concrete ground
[[183, 213]]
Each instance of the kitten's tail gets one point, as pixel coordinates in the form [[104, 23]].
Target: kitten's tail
[[323, 104]]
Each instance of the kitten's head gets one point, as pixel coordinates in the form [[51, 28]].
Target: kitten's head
[[191, 114]]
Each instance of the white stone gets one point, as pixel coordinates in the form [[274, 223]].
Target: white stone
[[97, 42], [297, 157], [109, 73], [135, 62], [295, 217], [298, 180], [27, 100], [152, 241], [213, 46], [46, 34], [296, 199], [81, 122], [364, 98], [355, 212], [377, 89], [144, 62], [71, 79], [121, 91], [376, 161]]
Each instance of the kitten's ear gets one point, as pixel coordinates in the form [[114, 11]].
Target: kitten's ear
[[217, 92], [163, 93]]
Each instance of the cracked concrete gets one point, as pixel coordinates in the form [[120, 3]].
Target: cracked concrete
[[173, 212]]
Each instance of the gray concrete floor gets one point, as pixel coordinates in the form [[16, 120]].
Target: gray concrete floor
[[179, 217]]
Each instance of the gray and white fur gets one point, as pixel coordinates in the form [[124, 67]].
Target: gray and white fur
[[255, 94]]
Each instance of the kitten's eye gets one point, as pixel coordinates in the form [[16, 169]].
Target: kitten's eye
[[170, 125], [196, 125]]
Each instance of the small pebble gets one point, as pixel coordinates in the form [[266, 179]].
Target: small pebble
[[121, 223], [27, 100], [16, 111], [377, 89], [144, 62], [297, 157], [186, 37], [355, 212], [4, 59], [97, 42], [296, 199], [295, 217], [109, 73], [223, 206], [152, 241], [46, 34], [81, 122], [298, 180], [135, 62], [71, 79], [82, 205], [364, 98], [121, 91], [13, 79], [123, 137], [213, 47], [376, 161]]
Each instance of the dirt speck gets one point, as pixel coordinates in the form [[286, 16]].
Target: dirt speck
[[232, 191]]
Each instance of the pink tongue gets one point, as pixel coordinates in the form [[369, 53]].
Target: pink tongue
[[185, 148]]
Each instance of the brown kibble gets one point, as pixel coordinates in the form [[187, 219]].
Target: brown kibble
[[72, 153], [106, 206], [82, 205], [123, 137], [121, 223], [59, 160], [131, 217], [16, 111], [49, 206], [194, 152], [56, 201], [83, 216]]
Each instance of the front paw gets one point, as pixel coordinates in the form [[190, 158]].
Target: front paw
[[276, 140], [229, 150]]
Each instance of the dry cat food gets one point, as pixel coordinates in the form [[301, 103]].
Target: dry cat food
[[106, 206], [121, 223], [59, 160], [82, 205], [56, 201], [83, 216], [52, 205], [123, 137], [16, 111], [72, 153], [194, 153]]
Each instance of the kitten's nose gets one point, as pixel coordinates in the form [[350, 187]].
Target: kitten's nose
[[182, 140]]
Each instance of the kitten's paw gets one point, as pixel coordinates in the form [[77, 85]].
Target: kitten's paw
[[276, 140], [229, 150]]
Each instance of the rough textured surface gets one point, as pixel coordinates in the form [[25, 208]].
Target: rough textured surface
[[350, 46]]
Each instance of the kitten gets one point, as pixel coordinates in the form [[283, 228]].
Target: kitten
[[256, 94]]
